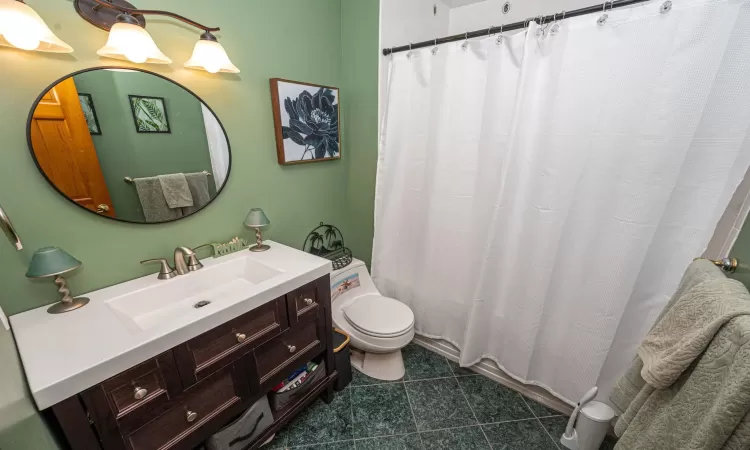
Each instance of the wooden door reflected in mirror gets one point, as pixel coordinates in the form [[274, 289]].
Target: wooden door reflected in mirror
[[65, 151]]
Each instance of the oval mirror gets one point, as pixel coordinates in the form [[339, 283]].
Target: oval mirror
[[129, 145]]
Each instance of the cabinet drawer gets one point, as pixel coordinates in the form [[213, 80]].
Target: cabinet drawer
[[210, 402], [287, 350], [141, 389], [304, 303], [203, 355]]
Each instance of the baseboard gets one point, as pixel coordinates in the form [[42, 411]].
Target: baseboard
[[490, 370]]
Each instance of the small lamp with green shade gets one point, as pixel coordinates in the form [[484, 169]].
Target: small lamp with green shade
[[54, 262], [257, 219]]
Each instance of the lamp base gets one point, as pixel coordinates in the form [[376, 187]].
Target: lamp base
[[259, 248], [101, 16], [63, 307]]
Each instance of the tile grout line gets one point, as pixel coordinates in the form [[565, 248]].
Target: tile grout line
[[416, 381], [540, 422], [466, 399], [413, 416]]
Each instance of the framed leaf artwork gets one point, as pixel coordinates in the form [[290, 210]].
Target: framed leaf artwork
[[149, 114], [89, 113], [306, 119]]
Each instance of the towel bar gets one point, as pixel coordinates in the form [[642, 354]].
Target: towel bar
[[130, 180]]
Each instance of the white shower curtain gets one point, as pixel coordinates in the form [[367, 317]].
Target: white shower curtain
[[218, 147], [538, 200]]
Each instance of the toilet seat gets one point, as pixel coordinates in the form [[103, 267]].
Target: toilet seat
[[378, 316]]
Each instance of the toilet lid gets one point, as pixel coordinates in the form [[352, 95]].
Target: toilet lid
[[379, 316]]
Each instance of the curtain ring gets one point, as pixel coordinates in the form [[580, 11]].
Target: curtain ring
[[408, 54], [603, 18], [465, 45], [499, 39], [435, 48], [539, 33], [489, 31], [555, 26]]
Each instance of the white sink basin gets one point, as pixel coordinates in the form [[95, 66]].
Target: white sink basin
[[232, 280]]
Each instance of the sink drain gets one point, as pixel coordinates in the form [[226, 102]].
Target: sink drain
[[201, 304]]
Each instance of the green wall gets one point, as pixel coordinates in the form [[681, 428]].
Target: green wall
[[360, 49], [21, 427], [295, 39], [124, 152]]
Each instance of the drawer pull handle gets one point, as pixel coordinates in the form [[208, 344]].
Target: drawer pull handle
[[139, 393], [308, 301], [241, 337], [191, 416], [291, 348]]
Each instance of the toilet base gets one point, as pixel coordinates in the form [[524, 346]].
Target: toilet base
[[381, 366]]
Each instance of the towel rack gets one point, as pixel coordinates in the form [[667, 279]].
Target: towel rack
[[130, 180]]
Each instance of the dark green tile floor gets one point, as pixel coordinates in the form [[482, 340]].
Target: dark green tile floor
[[438, 405]]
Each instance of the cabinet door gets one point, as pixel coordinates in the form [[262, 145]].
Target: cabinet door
[[306, 303], [207, 353], [277, 358], [132, 398], [201, 410]]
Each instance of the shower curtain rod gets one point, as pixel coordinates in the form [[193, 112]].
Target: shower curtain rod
[[513, 26]]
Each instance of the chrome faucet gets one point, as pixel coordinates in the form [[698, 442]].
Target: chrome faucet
[[180, 267], [193, 264]]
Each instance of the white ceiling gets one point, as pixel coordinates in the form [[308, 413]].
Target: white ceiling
[[457, 3]]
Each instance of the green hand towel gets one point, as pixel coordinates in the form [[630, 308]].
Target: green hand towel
[[176, 190]]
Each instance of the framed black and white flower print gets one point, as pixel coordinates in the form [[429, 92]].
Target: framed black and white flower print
[[306, 118]]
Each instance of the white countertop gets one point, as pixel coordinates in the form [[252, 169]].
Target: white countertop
[[65, 354]]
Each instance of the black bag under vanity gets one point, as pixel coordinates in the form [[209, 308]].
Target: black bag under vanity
[[240, 433]]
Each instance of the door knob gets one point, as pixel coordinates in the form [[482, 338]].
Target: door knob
[[139, 393], [241, 337], [308, 301], [190, 416], [101, 209], [291, 348], [726, 264]]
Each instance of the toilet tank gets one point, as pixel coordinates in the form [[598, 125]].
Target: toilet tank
[[352, 280]]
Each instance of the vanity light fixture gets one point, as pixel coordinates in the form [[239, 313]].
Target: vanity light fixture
[[210, 56], [129, 40], [21, 27]]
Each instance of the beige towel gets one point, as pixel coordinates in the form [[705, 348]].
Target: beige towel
[[176, 190], [151, 196], [198, 184], [689, 388]]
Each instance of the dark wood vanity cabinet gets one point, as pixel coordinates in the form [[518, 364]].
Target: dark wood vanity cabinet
[[179, 398]]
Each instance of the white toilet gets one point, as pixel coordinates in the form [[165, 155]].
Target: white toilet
[[379, 326]]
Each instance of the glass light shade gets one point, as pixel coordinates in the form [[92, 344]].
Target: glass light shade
[[256, 218], [51, 261], [21, 27], [211, 57], [132, 43]]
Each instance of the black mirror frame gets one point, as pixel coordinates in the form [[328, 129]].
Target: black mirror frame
[[91, 69]]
